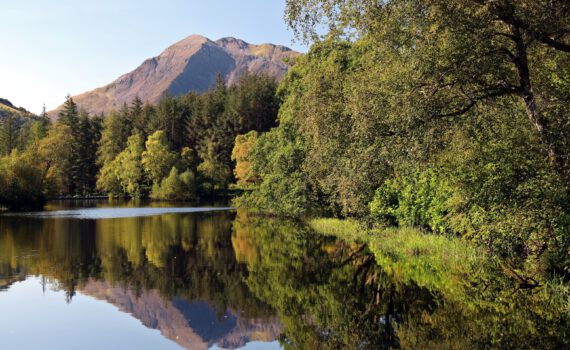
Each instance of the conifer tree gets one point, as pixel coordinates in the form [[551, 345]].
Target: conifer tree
[[8, 134]]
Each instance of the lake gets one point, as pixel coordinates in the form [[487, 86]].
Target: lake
[[99, 275]]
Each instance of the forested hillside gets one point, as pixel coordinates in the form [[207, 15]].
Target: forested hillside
[[179, 148]]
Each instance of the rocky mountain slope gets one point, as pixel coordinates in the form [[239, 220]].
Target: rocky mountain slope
[[191, 64]]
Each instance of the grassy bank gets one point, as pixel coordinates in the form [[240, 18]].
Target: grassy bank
[[437, 261], [408, 254]]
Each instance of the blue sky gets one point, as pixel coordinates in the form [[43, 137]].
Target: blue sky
[[52, 48]]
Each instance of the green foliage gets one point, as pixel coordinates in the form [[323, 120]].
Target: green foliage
[[116, 131], [55, 153], [253, 103], [346, 229], [277, 157], [21, 182], [126, 170], [157, 159], [215, 173], [175, 186], [427, 116], [8, 134], [194, 133], [418, 199], [241, 156], [108, 179], [80, 168]]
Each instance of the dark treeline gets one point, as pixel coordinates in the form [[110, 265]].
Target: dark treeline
[[179, 148]]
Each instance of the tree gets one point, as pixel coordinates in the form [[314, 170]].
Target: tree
[[242, 157], [129, 171], [464, 53], [254, 103], [8, 134], [277, 159], [115, 132], [38, 130], [21, 182], [215, 172], [171, 119], [157, 159], [474, 93], [175, 186], [54, 155], [108, 179], [69, 116]]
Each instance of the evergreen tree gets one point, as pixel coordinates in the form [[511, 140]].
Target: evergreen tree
[[136, 116], [8, 134], [114, 134], [69, 116]]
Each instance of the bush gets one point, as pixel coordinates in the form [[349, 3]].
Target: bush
[[21, 183], [175, 186], [419, 200]]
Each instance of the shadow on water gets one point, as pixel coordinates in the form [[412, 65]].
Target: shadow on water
[[225, 278]]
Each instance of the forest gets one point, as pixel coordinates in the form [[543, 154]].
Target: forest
[[179, 149], [448, 116]]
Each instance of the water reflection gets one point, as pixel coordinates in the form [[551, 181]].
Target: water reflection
[[226, 280], [176, 273], [330, 294]]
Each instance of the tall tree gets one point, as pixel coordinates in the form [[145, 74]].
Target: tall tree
[[115, 131], [464, 53], [254, 103], [158, 159], [8, 133], [129, 168]]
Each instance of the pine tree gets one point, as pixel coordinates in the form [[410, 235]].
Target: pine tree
[[136, 116], [8, 134], [84, 162], [69, 116]]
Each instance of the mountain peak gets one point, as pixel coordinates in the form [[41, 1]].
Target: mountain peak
[[190, 41], [190, 64], [232, 42]]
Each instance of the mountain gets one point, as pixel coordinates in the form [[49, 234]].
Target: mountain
[[194, 325], [191, 64], [6, 107]]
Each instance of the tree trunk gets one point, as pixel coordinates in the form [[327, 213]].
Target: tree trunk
[[533, 111]]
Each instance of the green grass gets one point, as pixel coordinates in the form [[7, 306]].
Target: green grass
[[431, 261], [409, 254], [350, 230]]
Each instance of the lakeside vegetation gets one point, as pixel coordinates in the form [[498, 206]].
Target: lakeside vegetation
[[448, 116]]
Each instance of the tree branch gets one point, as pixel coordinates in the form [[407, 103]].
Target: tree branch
[[473, 101]]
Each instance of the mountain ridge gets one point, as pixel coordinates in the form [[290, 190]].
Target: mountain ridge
[[7, 107], [189, 65]]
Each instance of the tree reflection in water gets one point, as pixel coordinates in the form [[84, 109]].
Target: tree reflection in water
[[267, 277]]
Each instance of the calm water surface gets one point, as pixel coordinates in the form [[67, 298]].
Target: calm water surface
[[175, 277]]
